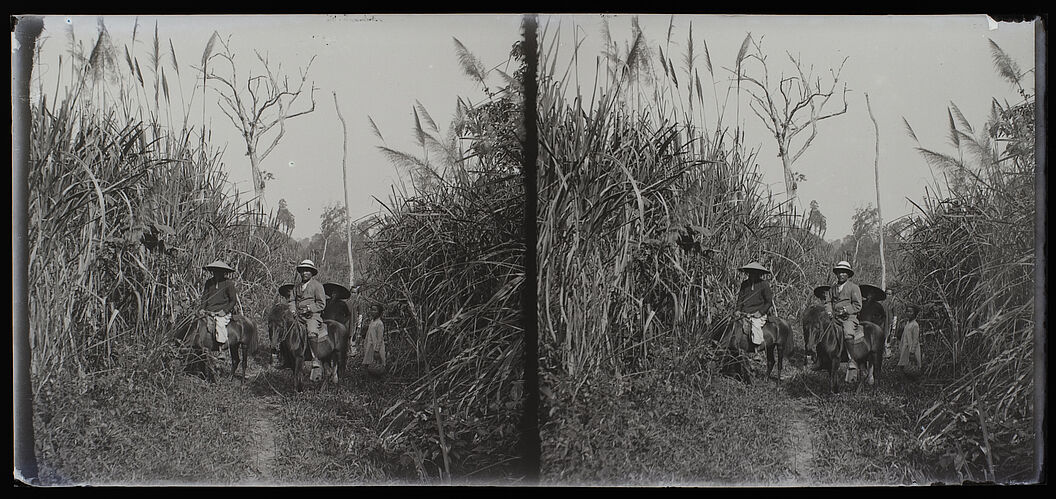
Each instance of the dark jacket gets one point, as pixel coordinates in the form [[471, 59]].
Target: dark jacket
[[219, 295], [755, 297]]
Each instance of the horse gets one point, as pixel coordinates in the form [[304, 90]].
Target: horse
[[872, 310], [197, 338], [825, 336], [777, 339], [336, 307], [294, 346]]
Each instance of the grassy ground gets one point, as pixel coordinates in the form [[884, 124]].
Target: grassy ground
[[185, 430], [674, 426]]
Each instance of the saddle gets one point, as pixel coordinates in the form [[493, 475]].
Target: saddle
[[321, 336], [859, 334]]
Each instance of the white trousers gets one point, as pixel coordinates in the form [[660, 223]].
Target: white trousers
[[221, 327]]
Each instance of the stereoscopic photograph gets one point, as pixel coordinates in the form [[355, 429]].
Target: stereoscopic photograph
[[528, 250]]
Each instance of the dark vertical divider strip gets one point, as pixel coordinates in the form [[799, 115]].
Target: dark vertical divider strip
[[26, 29], [530, 442]]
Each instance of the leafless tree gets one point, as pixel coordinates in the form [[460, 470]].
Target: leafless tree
[[257, 103], [795, 104]]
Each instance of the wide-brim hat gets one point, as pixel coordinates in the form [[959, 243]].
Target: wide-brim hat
[[754, 266], [872, 293], [336, 291], [219, 265], [822, 292], [844, 266], [308, 264], [285, 290]]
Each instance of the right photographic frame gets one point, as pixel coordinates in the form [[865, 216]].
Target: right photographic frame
[[789, 250]]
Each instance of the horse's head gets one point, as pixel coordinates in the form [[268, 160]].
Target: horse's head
[[815, 321]]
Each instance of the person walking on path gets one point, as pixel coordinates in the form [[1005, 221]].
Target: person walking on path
[[910, 343], [307, 301], [219, 301], [755, 303], [374, 344]]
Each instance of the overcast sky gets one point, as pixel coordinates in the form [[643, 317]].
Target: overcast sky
[[378, 65], [911, 67]]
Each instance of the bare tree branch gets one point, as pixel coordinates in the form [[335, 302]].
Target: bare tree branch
[[802, 103], [258, 106]]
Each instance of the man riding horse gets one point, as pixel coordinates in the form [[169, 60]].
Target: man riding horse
[[845, 300], [755, 303], [307, 301], [219, 301]]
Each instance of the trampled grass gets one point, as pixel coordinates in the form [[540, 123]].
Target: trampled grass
[[186, 431], [662, 429]]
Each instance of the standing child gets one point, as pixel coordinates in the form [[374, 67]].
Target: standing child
[[374, 346], [910, 340]]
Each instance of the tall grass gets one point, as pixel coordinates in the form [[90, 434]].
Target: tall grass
[[448, 257], [647, 208], [123, 213], [969, 258]]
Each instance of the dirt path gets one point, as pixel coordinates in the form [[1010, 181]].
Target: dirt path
[[261, 435], [802, 444]]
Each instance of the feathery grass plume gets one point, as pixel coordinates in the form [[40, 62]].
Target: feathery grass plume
[[165, 86], [909, 130], [425, 114], [1006, 66], [955, 138], [689, 59], [128, 59], [470, 65], [419, 134], [139, 74], [939, 160], [209, 47], [707, 58], [175, 63], [671, 28], [742, 52], [960, 118], [663, 61], [374, 128]]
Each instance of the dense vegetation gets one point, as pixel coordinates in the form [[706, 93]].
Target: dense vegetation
[[645, 211]]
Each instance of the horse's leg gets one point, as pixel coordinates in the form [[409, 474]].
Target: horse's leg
[[208, 366], [862, 376], [244, 359], [780, 360], [746, 372], [334, 358], [834, 375], [298, 368], [769, 360], [233, 353]]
